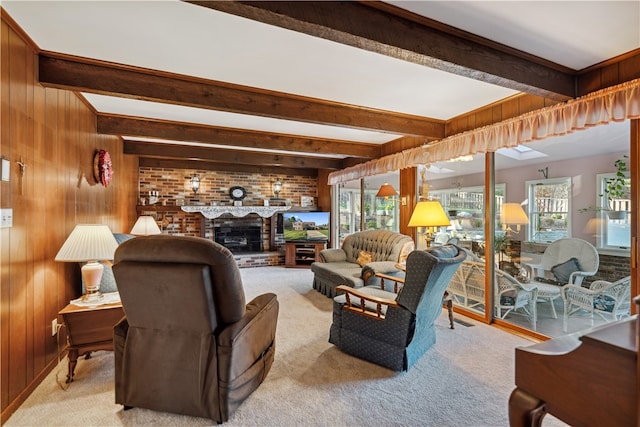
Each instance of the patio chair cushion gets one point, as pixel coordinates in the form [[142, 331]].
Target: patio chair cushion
[[604, 303], [562, 272]]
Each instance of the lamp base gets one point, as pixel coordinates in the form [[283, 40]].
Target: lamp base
[[91, 297], [92, 275]]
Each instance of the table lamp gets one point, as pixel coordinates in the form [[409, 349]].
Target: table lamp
[[145, 226], [429, 214], [89, 243], [512, 214]]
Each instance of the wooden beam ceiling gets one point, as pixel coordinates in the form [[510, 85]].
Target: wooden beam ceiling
[[388, 30], [85, 75], [147, 128], [154, 162], [218, 155]]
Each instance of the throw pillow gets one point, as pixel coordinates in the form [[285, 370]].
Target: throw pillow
[[364, 258], [563, 271]]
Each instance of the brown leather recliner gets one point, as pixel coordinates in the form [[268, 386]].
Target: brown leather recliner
[[188, 344]]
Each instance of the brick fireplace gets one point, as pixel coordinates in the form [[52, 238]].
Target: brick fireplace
[[239, 235]]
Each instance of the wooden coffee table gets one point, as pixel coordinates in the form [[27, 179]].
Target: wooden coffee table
[[89, 329]]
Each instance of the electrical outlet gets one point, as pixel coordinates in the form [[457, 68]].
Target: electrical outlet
[[54, 327]]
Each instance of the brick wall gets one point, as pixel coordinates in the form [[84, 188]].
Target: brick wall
[[173, 185]]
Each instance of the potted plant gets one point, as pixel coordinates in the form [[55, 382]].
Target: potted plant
[[616, 187]]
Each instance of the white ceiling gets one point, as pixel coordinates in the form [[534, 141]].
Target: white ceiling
[[187, 39]]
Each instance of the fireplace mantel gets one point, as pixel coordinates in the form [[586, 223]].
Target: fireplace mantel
[[212, 212]]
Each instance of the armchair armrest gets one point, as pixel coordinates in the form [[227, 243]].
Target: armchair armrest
[[396, 281], [242, 343], [373, 268], [333, 255], [368, 305], [577, 276], [535, 270], [577, 290], [598, 285]]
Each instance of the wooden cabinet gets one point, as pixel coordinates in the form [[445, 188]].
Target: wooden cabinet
[[302, 254]]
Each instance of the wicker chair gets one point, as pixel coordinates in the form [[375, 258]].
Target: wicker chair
[[513, 296], [467, 287], [610, 300], [557, 254]]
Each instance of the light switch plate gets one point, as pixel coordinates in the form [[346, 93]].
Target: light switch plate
[[6, 218], [5, 169]]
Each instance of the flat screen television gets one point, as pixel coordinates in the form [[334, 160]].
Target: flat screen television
[[305, 226]]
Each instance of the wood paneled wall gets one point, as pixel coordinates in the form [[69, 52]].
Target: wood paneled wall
[[53, 134]]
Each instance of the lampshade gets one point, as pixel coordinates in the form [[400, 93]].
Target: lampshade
[[429, 213], [145, 226], [92, 243], [386, 190], [88, 242], [513, 214], [594, 227]]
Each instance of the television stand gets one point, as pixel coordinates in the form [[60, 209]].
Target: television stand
[[303, 253]]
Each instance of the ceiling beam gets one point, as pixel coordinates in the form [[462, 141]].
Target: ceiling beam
[[177, 151], [177, 131], [388, 30], [85, 75], [152, 162]]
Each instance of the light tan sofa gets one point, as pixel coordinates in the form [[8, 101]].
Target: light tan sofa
[[340, 266]]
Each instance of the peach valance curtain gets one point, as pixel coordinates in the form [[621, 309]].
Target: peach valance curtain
[[613, 104]]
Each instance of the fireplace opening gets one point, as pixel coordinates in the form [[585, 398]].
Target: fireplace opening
[[239, 235]]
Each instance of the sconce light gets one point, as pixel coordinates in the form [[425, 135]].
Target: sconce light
[[513, 214], [195, 184], [386, 190], [277, 188]]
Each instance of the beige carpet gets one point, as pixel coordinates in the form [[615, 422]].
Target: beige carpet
[[464, 380]]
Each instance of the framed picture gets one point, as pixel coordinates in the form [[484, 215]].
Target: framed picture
[[306, 201]]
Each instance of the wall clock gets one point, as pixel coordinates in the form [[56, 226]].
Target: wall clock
[[102, 167], [237, 192]]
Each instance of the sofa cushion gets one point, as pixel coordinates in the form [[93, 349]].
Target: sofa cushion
[[384, 245], [562, 272], [340, 273]]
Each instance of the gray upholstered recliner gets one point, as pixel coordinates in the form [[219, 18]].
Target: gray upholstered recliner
[[395, 330], [188, 344]]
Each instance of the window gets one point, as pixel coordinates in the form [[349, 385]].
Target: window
[[465, 207], [548, 209], [612, 227], [349, 209]]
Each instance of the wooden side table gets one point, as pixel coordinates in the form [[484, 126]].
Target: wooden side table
[[89, 329]]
